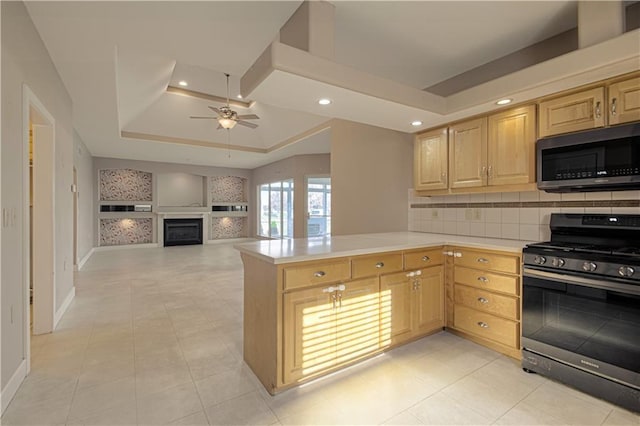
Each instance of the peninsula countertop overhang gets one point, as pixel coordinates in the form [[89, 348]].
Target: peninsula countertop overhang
[[317, 248]]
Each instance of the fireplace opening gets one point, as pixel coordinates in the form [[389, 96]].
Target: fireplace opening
[[182, 232]]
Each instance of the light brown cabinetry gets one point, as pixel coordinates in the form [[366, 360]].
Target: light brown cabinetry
[[431, 160], [412, 304], [328, 326], [485, 298], [613, 102], [624, 101], [570, 113], [485, 154]]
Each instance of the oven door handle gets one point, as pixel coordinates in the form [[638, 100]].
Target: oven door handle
[[586, 282]]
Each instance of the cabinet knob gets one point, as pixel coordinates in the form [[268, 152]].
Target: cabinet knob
[[614, 106], [483, 280], [457, 254], [319, 274], [482, 324], [425, 258], [380, 265], [598, 112], [482, 260], [483, 300]]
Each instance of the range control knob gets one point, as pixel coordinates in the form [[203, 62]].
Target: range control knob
[[539, 260], [589, 266], [557, 262], [626, 271]]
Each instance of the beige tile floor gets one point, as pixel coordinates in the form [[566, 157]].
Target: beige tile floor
[[154, 336]]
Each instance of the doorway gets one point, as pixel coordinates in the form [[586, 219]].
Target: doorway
[[318, 206], [39, 221]]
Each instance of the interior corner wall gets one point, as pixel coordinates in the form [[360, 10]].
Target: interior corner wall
[[83, 162], [296, 168], [371, 171], [25, 60]]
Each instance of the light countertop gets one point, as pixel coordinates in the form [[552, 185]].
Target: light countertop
[[302, 249]]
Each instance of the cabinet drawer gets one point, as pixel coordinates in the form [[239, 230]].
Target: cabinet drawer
[[487, 281], [485, 301], [383, 263], [320, 273], [486, 326], [422, 258], [488, 261]]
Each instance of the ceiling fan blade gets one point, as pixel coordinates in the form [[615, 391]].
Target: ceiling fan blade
[[247, 124], [216, 110], [208, 118], [248, 117]]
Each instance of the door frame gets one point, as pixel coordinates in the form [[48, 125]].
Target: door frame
[[306, 199], [44, 288]]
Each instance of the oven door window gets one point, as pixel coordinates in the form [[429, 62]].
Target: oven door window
[[595, 323]]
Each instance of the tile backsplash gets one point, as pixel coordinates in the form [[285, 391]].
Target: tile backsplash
[[510, 215]]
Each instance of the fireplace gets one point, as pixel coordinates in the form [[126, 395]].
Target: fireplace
[[181, 232]]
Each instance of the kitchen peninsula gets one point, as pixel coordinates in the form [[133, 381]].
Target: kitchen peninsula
[[313, 306]]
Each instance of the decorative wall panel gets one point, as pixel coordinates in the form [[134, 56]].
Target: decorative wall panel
[[115, 232], [125, 185], [228, 227], [227, 189]]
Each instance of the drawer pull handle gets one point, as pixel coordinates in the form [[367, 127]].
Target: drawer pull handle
[[483, 300], [482, 260], [319, 274], [483, 280], [614, 106], [380, 265], [482, 324], [425, 258]]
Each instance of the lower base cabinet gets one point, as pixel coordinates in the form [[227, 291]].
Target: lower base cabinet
[[412, 304]]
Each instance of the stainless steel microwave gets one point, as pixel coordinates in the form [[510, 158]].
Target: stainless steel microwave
[[606, 159]]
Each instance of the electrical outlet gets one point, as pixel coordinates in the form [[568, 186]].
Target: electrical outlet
[[434, 213], [477, 214]]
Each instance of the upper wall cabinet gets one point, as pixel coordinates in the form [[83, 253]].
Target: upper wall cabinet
[[624, 101], [430, 160], [614, 102], [468, 153], [511, 146], [571, 113]]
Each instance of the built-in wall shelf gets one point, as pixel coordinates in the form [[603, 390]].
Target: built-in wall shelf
[[229, 209]]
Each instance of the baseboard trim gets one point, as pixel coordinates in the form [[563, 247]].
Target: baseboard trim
[[126, 246], [9, 391], [85, 258], [63, 308]]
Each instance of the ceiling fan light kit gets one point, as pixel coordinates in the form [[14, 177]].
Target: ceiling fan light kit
[[228, 118]]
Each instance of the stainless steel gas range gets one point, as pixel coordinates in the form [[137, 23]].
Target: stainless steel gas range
[[581, 305]]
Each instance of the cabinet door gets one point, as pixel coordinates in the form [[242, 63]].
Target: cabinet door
[[309, 330], [468, 154], [429, 301], [511, 146], [571, 113], [430, 160], [357, 320], [396, 294], [624, 101]]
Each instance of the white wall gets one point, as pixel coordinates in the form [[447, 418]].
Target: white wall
[[83, 162], [296, 168], [371, 169], [180, 189], [26, 61]]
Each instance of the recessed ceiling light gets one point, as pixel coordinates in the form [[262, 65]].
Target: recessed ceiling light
[[324, 101], [239, 96], [504, 101], [416, 123], [183, 83]]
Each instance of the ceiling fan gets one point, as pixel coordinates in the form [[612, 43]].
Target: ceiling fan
[[228, 118]]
